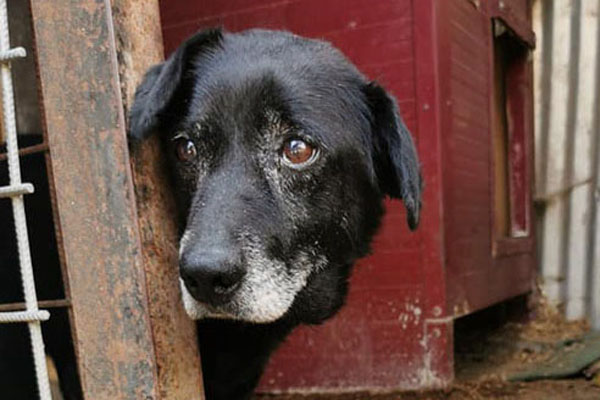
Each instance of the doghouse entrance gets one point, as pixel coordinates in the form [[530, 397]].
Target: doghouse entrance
[[509, 138], [17, 371]]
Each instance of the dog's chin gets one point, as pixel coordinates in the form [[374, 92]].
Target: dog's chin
[[197, 310]]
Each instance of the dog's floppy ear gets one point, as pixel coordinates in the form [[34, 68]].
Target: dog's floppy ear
[[164, 85], [394, 154]]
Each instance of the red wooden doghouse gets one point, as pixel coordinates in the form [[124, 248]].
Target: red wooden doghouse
[[461, 73]]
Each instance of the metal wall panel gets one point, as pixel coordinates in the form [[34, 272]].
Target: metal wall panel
[[567, 97]]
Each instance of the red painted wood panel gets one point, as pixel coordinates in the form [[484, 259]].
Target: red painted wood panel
[[474, 278], [521, 9], [305, 15], [465, 114], [517, 15], [375, 341], [519, 110], [435, 57]]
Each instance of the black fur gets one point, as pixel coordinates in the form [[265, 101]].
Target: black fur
[[238, 98]]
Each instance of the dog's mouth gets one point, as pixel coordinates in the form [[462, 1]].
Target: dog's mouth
[[263, 296], [197, 309], [263, 293], [262, 300]]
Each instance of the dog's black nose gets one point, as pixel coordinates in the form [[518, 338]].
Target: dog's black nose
[[211, 276]]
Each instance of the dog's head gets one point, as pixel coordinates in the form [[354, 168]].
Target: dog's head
[[281, 153]]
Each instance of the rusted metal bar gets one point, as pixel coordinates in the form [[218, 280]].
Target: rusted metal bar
[[94, 196], [20, 306], [139, 44], [38, 148]]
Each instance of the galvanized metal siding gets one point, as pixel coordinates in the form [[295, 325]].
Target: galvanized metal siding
[[567, 101]]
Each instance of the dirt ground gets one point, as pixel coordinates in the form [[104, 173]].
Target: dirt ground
[[576, 389], [487, 349], [484, 357]]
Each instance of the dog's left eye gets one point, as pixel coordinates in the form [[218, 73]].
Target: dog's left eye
[[298, 153], [185, 149]]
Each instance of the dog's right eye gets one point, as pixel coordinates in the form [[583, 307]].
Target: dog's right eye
[[185, 150], [298, 153]]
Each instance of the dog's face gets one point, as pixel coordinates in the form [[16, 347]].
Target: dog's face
[[281, 153]]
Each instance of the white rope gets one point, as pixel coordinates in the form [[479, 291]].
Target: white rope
[[14, 171], [24, 316], [17, 52], [16, 190]]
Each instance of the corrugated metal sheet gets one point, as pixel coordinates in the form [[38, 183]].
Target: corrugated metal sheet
[[567, 100]]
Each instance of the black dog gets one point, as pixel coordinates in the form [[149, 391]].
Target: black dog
[[281, 154]]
